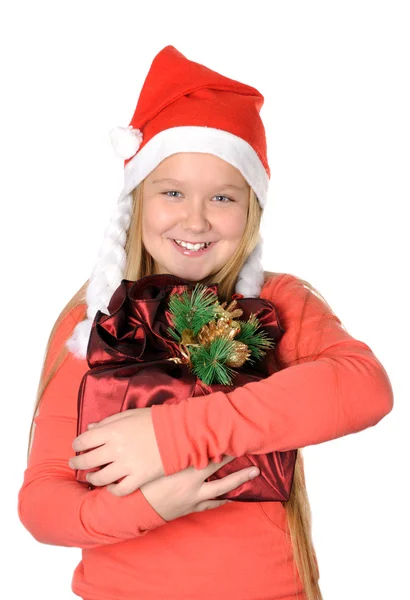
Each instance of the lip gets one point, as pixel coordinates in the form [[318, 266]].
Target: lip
[[192, 253]]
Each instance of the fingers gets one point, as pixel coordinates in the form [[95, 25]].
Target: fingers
[[130, 483], [126, 486], [96, 435], [213, 489], [91, 459], [108, 474], [89, 439], [209, 504]]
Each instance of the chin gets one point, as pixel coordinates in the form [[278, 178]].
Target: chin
[[193, 275]]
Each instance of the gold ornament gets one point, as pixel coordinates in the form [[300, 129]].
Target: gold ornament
[[207, 333], [187, 337], [186, 356], [240, 354], [230, 312], [219, 328]]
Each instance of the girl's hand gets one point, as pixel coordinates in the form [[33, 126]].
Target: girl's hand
[[182, 493], [126, 443]]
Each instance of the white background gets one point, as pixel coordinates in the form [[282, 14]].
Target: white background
[[335, 76]]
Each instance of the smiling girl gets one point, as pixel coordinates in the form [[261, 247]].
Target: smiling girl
[[194, 214], [196, 181]]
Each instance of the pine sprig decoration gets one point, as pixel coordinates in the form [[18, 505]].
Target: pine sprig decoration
[[212, 341], [192, 311], [209, 362], [258, 342]]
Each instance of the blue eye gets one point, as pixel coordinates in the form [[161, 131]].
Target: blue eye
[[172, 192], [176, 194], [226, 198]]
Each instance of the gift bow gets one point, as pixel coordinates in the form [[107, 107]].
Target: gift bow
[[130, 356]]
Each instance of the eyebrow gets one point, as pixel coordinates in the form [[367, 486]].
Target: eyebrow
[[224, 186]]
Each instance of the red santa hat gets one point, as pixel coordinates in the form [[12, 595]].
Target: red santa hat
[[183, 107]]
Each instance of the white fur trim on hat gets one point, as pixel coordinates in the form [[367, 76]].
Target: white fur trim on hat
[[231, 148]]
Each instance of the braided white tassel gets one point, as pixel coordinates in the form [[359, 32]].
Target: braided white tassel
[[250, 279], [106, 276]]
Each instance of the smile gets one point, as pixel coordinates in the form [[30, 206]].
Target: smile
[[188, 249], [189, 246]]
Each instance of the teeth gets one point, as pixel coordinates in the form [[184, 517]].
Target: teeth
[[194, 247]]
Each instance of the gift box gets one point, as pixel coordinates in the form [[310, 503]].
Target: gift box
[[133, 363]]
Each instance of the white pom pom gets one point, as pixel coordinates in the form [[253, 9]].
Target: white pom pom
[[125, 141]]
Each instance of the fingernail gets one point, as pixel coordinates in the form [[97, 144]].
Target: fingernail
[[253, 473], [71, 464], [90, 425]]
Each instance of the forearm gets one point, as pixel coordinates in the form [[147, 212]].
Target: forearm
[[344, 391], [66, 513]]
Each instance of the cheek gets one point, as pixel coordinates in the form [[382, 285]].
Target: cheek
[[155, 219], [234, 225]]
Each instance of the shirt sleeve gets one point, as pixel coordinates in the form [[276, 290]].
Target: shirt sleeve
[[52, 505], [332, 385]]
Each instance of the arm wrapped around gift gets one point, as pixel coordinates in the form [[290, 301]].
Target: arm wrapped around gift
[[135, 363]]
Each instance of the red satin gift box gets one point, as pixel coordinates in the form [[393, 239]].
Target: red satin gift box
[[128, 354]]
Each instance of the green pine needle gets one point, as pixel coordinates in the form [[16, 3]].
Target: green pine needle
[[174, 334], [192, 310], [257, 342], [208, 362]]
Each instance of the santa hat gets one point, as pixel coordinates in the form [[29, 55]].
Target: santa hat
[[183, 107]]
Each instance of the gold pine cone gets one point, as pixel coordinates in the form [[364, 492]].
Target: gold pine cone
[[207, 333], [239, 355], [220, 328]]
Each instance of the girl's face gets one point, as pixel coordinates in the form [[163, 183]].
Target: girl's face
[[193, 199]]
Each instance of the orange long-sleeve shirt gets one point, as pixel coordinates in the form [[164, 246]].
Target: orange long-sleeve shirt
[[333, 385]]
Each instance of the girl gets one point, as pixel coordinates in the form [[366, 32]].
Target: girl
[[196, 180]]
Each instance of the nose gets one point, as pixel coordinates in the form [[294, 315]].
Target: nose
[[195, 218]]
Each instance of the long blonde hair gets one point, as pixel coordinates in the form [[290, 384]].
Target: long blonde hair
[[139, 264]]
